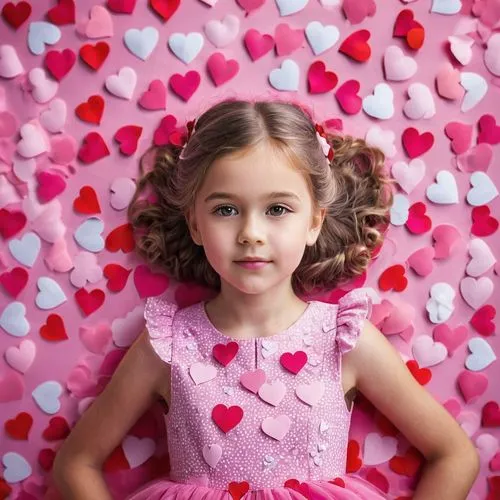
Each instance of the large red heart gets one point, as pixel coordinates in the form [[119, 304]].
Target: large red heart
[[11, 222], [225, 353], [421, 375], [94, 55], [185, 86], [320, 80], [87, 202], [393, 278], [91, 111], [121, 238], [490, 416], [354, 462], [93, 148], [128, 137], [164, 8], [117, 277], [238, 490], [418, 222], [60, 63], [14, 281], [417, 144], [89, 302], [57, 429], [482, 320], [121, 6], [19, 427], [482, 223], [408, 464], [256, 44], [54, 329], [62, 13], [356, 47], [227, 418], [293, 362], [15, 15]]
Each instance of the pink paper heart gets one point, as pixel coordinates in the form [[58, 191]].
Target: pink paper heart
[[356, 11], [448, 83], [489, 131], [476, 159], [58, 258], [421, 261], [54, 117], [460, 135], [446, 239], [79, 382], [48, 224], [63, 149], [148, 283], [401, 317], [287, 39], [470, 422], [472, 385], [11, 387], [452, 339], [453, 406], [100, 24], [380, 312], [257, 44], [155, 97], [22, 357], [220, 69], [95, 339], [347, 96], [8, 124]]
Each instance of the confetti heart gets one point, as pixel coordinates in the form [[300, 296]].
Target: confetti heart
[[26, 249], [53, 330], [155, 97], [10, 65], [460, 135], [320, 80], [122, 190], [421, 261], [448, 81], [62, 13], [120, 238], [321, 38], [93, 148], [356, 46], [57, 429], [416, 144], [121, 6], [16, 14], [393, 278], [408, 175], [397, 66], [347, 97], [250, 5], [222, 33], [482, 223], [32, 142], [227, 418], [445, 190], [89, 302], [94, 55], [257, 45], [22, 357], [123, 84], [356, 12], [100, 24], [427, 352], [461, 48], [17, 469], [482, 355], [92, 110], [289, 7], [286, 77], [50, 294], [483, 190], [446, 239], [46, 396], [482, 320], [87, 202], [452, 339], [287, 39], [472, 385], [185, 86], [186, 47], [489, 131], [128, 138], [380, 105], [14, 281], [293, 362], [141, 43], [41, 33], [446, 7], [482, 258], [418, 222], [59, 64], [20, 426], [476, 291], [54, 117], [49, 186], [165, 8], [475, 87], [420, 103], [220, 69]]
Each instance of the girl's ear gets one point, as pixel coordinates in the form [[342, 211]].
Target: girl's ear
[[317, 219], [193, 227]]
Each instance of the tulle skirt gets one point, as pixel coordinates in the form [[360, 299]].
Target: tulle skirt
[[347, 487]]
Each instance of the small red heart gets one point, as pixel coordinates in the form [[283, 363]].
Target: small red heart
[[482, 320], [164, 8], [91, 111], [46, 458], [356, 47], [320, 80], [404, 23], [185, 86], [293, 484], [354, 462], [490, 415], [293, 362], [165, 128], [220, 69], [62, 13], [117, 277], [338, 482], [482, 223], [238, 490], [408, 464], [14, 281], [16, 14], [121, 238], [121, 6], [227, 418], [128, 137], [89, 302], [417, 144], [19, 427], [57, 429], [87, 202], [116, 461], [94, 55], [60, 63], [257, 45], [421, 375], [393, 278], [54, 329], [11, 222], [415, 37], [418, 222], [225, 353], [93, 148]]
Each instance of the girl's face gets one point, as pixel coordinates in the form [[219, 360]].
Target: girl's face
[[254, 205]]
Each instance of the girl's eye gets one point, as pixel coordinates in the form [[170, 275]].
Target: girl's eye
[[275, 210], [223, 210], [282, 210]]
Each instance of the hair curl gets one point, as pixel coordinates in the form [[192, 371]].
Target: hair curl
[[355, 190]]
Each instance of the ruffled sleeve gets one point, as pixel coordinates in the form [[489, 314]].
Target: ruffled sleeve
[[159, 315], [353, 308]]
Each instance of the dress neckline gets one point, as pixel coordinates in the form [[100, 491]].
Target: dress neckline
[[282, 335]]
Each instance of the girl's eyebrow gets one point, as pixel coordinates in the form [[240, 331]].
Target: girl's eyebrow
[[274, 194]]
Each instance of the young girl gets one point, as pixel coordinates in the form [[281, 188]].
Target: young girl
[[263, 206]]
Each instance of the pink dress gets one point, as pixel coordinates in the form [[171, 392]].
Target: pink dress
[[261, 418]]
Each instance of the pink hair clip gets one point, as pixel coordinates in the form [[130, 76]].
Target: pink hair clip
[[327, 149]]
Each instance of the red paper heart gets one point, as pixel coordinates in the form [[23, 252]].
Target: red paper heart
[[121, 6], [227, 418], [94, 55], [11, 222], [378, 479], [116, 461], [121, 238], [338, 481], [408, 464], [416, 144], [393, 278], [250, 5], [421, 375], [482, 320], [490, 415], [489, 131], [164, 8], [128, 138], [220, 70], [89, 302], [117, 277], [415, 37], [347, 97], [60, 63], [185, 86], [293, 362], [225, 353], [62, 13], [16, 14], [404, 23], [87, 202], [356, 47], [14, 281], [91, 111], [238, 490], [93, 148], [165, 128], [354, 462], [54, 329], [256, 44], [19, 427], [5, 489], [418, 222], [320, 80], [482, 223], [57, 429], [46, 458]]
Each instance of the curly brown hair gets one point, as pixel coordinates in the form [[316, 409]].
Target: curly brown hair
[[356, 191]]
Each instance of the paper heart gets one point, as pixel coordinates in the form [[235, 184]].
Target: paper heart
[[399, 210], [470, 422], [54, 117], [476, 159], [440, 306], [383, 139], [418, 222], [93, 148], [148, 283], [482, 355], [58, 63], [272, 392], [311, 393], [452, 339], [447, 7], [94, 55], [286, 77], [185, 86], [321, 38], [393, 278], [220, 69], [482, 258], [121, 6], [186, 47], [476, 291], [155, 97], [490, 54], [17, 468], [446, 238], [120, 238], [11, 222], [491, 414], [85, 270], [421, 102], [10, 65], [427, 352], [380, 105], [472, 385], [276, 427], [22, 357], [378, 449], [128, 137], [482, 320], [141, 42], [46, 396], [54, 329], [257, 44], [89, 302], [123, 84], [41, 33], [487, 445], [475, 86], [201, 372], [14, 281], [253, 380], [356, 46], [448, 82], [62, 13], [122, 189], [347, 97], [288, 7], [88, 234], [227, 418], [421, 261], [42, 89], [212, 453], [137, 451], [32, 142], [16, 14], [461, 48], [222, 33], [417, 144], [125, 330], [165, 8], [20, 426], [404, 23], [117, 277], [26, 249], [356, 12], [460, 135], [50, 294], [100, 24], [397, 66], [24, 168], [13, 319], [8, 124], [58, 258], [320, 80], [482, 223], [47, 223], [49, 186], [287, 39], [92, 110], [63, 149], [408, 175], [483, 190], [445, 190], [95, 339], [489, 131]]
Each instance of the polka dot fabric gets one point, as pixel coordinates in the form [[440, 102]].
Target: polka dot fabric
[[261, 418]]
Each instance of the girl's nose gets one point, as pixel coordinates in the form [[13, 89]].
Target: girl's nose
[[251, 231]]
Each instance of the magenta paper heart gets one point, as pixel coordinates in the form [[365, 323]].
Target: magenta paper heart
[[49, 186], [472, 385], [452, 339], [460, 135], [220, 69], [155, 97], [250, 5], [148, 283], [489, 131], [446, 240], [401, 317], [347, 97], [258, 45], [421, 261], [476, 159], [380, 312]]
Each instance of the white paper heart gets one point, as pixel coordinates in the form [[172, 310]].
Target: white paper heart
[[46, 396], [222, 33], [50, 295], [286, 77], [186, 47], [380, 105], [440, 306], [26, 249], [427, 352], [408, 175], [13, 319], [10, 65], [43, 89], [212, 453], [32, 142], [446, 7], [321, 38], [483, 190], [491, 59], [41, 33], [399, 210], [482, 258], [445, 190], [461, 48], [288, 7], [123, 84], [137, 450], [54, 117], [475, 86], [482, 355], [141, 42], [17, 468], [379, 449], [201, 372], [397, 65], [24, 168], [88, 234], [382, 139], [476, 292], [421, 103]]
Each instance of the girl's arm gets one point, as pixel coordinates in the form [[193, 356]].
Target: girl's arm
[[382, 376], [134, 387]]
